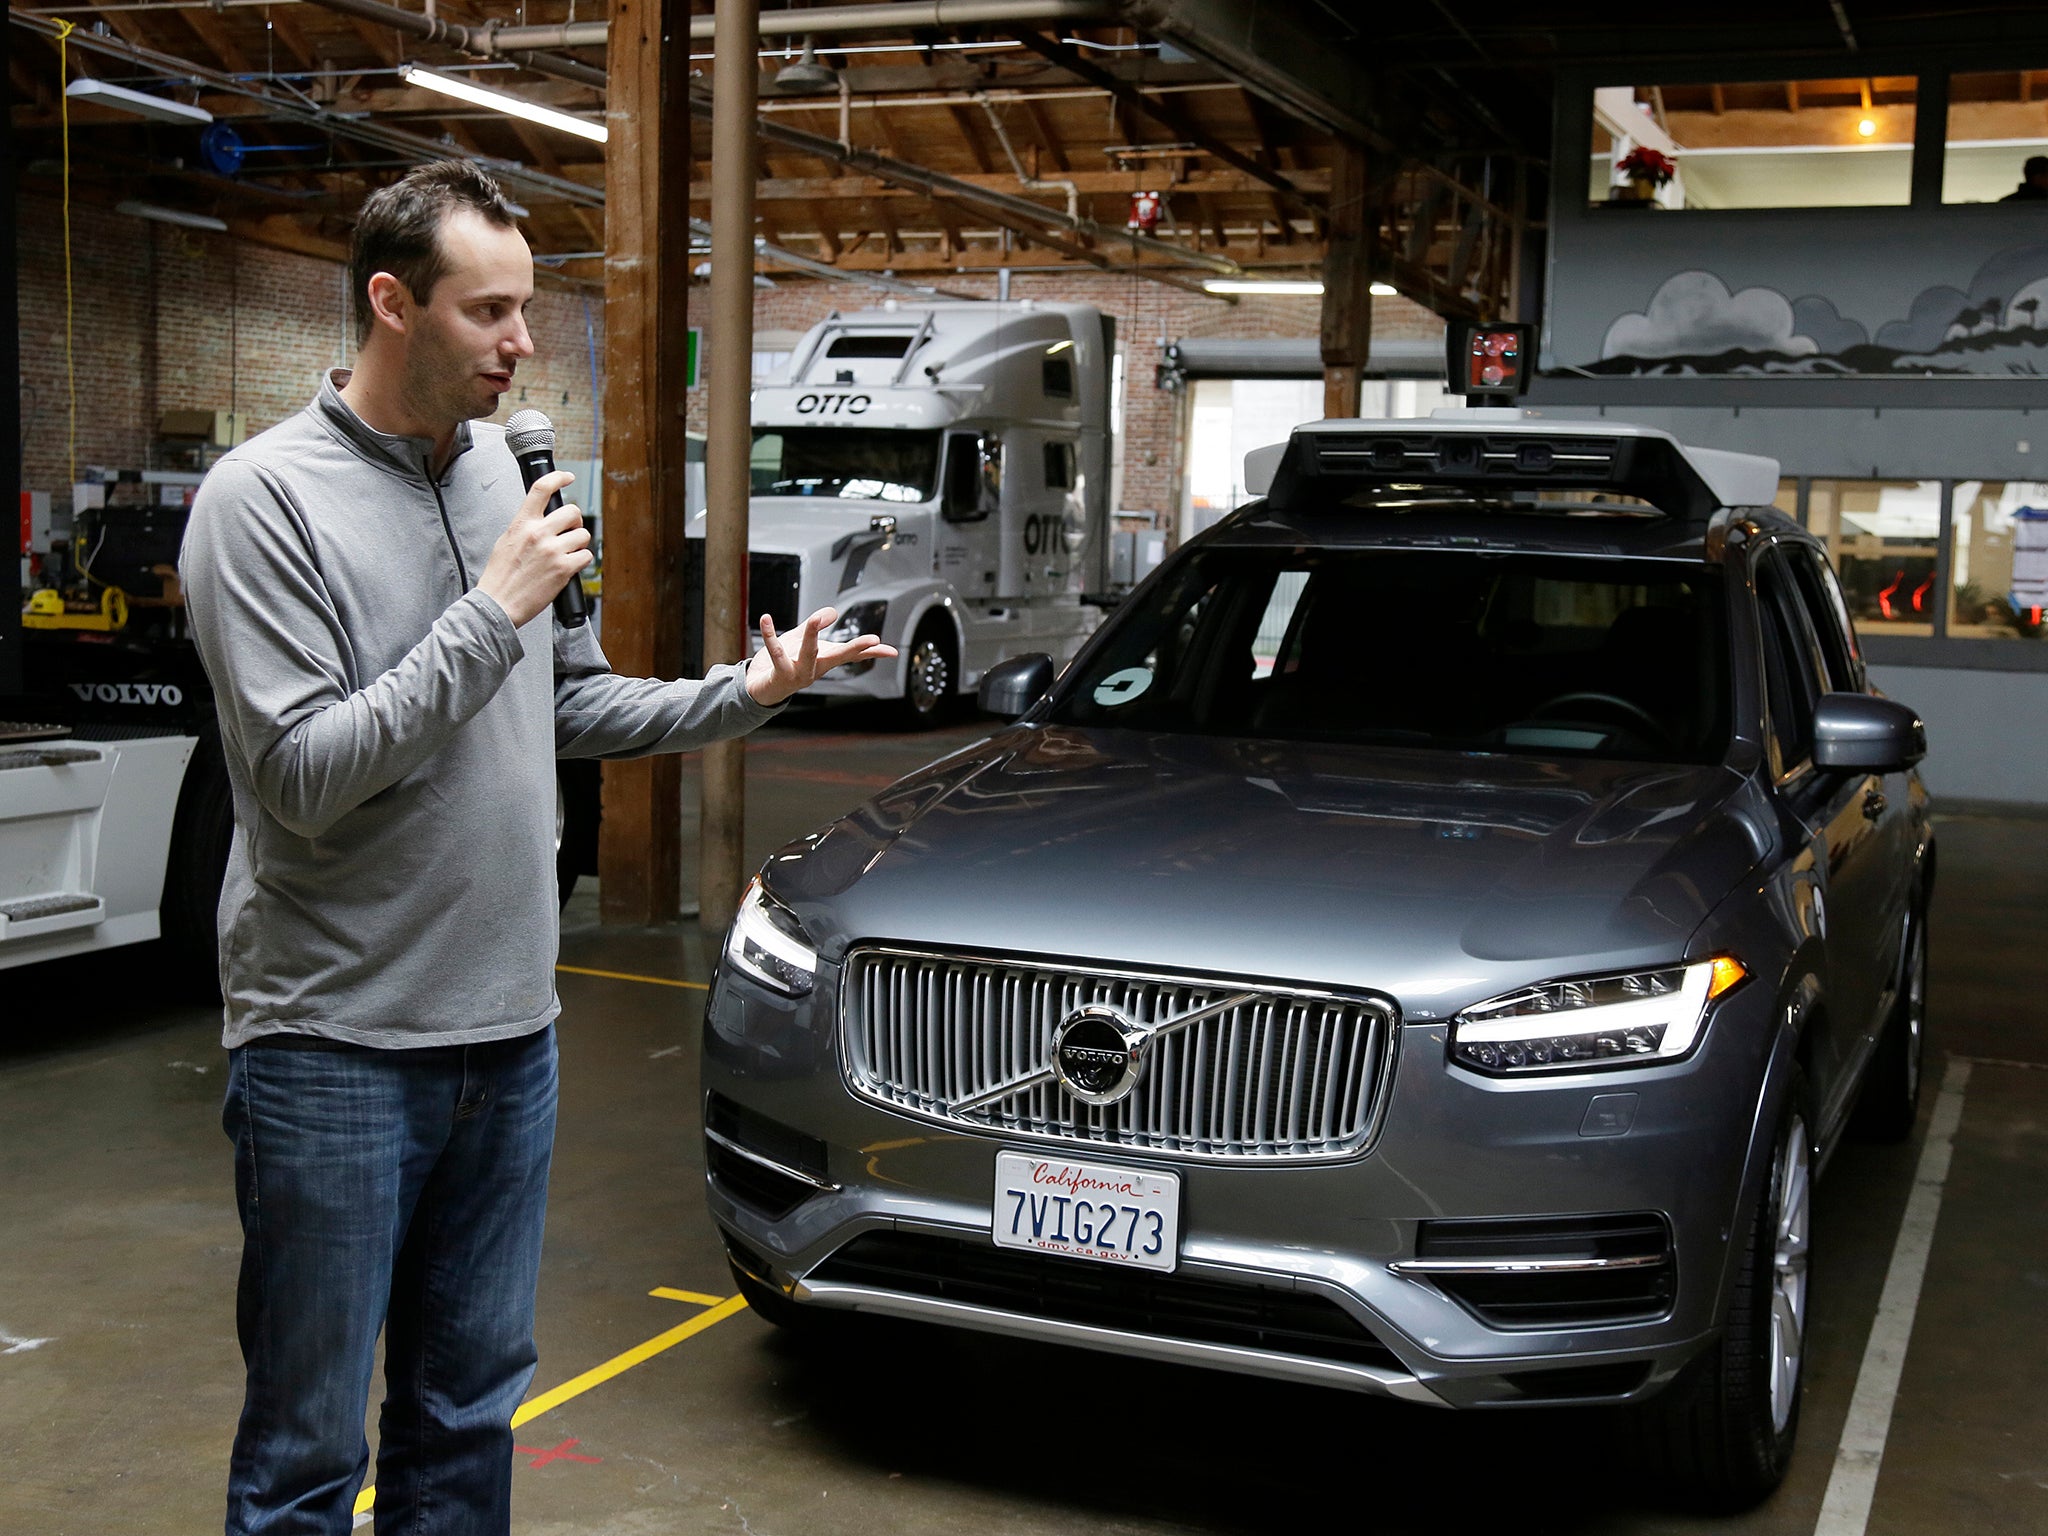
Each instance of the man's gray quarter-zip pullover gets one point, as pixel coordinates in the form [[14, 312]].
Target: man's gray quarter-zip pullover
[[390, 736]]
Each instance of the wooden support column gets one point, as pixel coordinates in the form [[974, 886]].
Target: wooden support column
[[646, 287], [735, 82], [1347, 281]]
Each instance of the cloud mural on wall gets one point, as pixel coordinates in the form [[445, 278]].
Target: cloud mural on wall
[[1694, 315], [1694, 324], [1831, 331]]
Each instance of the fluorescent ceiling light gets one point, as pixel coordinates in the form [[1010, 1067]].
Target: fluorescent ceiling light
[[171, 215], [500, 101], [141, 103], [1261, 285], [1384, 291]]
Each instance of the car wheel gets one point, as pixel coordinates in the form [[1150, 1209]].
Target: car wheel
[[932, 676], [1890, 1102], [1722, 1434]]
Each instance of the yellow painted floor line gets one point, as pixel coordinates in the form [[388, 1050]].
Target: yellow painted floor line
[[716, 1312], [698, 1298], [652, 981]]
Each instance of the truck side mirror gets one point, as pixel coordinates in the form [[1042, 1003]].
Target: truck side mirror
[[1010, 687], [1863, 733]]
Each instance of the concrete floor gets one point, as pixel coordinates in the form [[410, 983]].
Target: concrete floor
[[119, 1382]]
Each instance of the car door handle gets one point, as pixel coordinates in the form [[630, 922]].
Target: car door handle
[[1873, 804]]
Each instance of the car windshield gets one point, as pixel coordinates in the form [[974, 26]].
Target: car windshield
[[1473, 652], [845, 463]]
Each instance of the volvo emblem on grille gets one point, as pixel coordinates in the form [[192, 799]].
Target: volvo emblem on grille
[[1098, 1054]]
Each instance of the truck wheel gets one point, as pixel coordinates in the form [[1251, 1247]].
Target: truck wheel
[[198, 859], [1891, 1088], [1722, 1434], [932, 676]]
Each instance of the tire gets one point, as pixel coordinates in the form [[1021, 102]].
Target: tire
[[189, 915], [1890, 1101], [931, 675], [1722, 1434]]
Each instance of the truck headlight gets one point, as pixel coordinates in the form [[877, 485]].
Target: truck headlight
[[860, 619], [767, 942], [1600, 1021]]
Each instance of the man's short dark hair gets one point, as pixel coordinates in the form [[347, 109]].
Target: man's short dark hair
[[2037, 165], [399, 229]]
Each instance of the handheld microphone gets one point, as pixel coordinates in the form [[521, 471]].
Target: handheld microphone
[[531, 437]]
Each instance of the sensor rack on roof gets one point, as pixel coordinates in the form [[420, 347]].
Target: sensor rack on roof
[[1461, 455], [1650, 468]]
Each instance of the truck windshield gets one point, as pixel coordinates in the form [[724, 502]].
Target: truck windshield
[[1542, 654], [847, 463]]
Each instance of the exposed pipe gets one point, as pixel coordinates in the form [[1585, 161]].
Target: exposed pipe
[[935, 184], [478, 40], [831, 18], [768, 250], [302, 110], [1031, 183]]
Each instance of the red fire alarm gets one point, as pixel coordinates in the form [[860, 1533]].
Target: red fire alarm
[[1145, 210], [1487, 361]]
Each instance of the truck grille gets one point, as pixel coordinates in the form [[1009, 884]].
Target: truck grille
[[772, 589], [1285, 1074]]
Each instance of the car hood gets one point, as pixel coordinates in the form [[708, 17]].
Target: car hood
[[1437, 878]]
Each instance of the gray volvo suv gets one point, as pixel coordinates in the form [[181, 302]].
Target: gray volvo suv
[[1427, 943]]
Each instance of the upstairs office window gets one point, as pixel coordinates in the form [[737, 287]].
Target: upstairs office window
[[1997, 121], [1821, 143]]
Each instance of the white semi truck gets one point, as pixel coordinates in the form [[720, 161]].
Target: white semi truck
[[939, 473]]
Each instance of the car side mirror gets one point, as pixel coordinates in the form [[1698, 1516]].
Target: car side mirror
[[1010, 687], [1862, 732]]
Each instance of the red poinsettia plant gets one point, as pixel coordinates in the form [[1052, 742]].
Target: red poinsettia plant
[[1646, 164]]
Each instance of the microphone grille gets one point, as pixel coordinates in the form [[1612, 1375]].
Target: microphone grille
[[528, 430]]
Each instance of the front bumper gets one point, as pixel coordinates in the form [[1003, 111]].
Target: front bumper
[[1299, 1271]]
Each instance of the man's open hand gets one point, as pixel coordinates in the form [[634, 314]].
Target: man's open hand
[[776, 672]]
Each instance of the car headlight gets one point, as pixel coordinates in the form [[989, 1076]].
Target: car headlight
[[1600, 1021], [767, 942], [860, 619]]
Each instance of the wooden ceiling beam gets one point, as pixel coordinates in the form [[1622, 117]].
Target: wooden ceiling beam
[[284, 25], [211, 31], [1034, 114], [970, 135], [1088, 183]]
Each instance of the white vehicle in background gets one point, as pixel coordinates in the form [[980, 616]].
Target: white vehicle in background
[[939, 473]]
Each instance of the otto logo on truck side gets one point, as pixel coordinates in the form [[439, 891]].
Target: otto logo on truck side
[[833, 405], [130, 693]]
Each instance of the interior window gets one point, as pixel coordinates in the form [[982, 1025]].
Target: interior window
[[1883, 536], [1998, 560], [1815, 143], [1997, 122]]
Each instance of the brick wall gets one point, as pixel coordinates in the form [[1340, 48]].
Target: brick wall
[[166, 318], [1147, 315]]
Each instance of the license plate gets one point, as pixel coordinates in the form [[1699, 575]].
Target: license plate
[[1088, 1210]]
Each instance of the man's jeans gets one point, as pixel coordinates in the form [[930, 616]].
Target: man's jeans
[[397, 1188]]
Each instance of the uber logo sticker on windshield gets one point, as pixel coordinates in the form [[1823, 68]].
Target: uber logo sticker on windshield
[[1122, 687]]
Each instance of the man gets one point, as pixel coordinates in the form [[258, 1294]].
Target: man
[[392, 693], [2033, 187]]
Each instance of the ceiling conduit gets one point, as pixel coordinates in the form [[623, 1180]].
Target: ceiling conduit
[[829, 19]]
